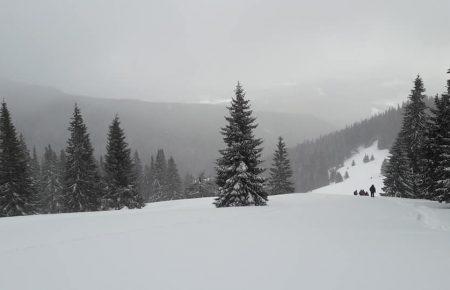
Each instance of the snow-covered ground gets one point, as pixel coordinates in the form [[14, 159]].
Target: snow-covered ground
[[299, 241], [362, 175]]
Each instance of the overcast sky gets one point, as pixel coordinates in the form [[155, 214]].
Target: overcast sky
[[174, 50]]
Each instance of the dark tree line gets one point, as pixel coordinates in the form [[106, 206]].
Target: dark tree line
[[73, 180], [419, 165]]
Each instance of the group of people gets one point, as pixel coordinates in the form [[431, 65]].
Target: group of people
[[362, 192]]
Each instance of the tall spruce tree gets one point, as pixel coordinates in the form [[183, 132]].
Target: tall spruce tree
[[173, 187], [431, 152], [442, 171], [81, 180], [280, 173], [413, 134], [396, 172], [138, 172], [17, 195], [51, 183], [238, 168], [121, 181], [159, 173], [148, 179]]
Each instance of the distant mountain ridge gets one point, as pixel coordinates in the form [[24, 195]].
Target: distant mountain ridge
[[189, 132]]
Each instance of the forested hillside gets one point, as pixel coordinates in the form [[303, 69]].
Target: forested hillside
[[312, 159]]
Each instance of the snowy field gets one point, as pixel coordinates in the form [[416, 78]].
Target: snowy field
[[299, 241], [362, 175]]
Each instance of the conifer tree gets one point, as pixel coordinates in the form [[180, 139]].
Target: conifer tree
[[442, 170], [81, 180], [173, 180], [120, 179], [397, 172], [238, 168], [159, 182], [148, 180], [280, 173], [62, 163], [51, 183], [413, 134], [366, 158], [432, 149], [338, 177], [17, 195], [33, 168], [346, 176], [34, 164], [138, 172]]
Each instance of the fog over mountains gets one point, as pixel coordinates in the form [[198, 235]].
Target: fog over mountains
[[189, 132]]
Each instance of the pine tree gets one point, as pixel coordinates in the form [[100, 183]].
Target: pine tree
[[81, 180], [148, 180], [280, 173], [173, 180], [62, 163], [366, 158], [51, 183], [432, 149], [442, 170], [353, 163], [159, 182], [120, 179], [138, 172], [346, 176], [35, 167], [17, 195], [238, 168], [396, 172], [413, 133]]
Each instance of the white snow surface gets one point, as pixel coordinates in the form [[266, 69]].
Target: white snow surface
[[299, 241], [362, 175]]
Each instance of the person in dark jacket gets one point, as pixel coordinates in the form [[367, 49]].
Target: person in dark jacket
[[372, 191], [361, 192]]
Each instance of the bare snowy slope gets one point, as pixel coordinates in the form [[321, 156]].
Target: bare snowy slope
[[299, 241], [362, 175]]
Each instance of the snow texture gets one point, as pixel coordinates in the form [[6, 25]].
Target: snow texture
[[298, 241], [362, 175]]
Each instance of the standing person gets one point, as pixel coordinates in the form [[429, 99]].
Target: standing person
[[372, 191]]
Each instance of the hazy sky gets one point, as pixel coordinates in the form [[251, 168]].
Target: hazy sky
[[177, 50]]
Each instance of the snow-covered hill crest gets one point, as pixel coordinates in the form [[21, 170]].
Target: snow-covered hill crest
[[299, 241]]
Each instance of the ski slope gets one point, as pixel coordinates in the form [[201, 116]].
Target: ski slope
[[299, 241], [362, 175]]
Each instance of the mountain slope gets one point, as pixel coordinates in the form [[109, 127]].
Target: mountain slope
[[299, 241], [190, 132], [361, 175]]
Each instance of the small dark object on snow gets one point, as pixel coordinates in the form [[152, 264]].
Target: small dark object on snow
[[362, 192], [355, 192], [372, 190]]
